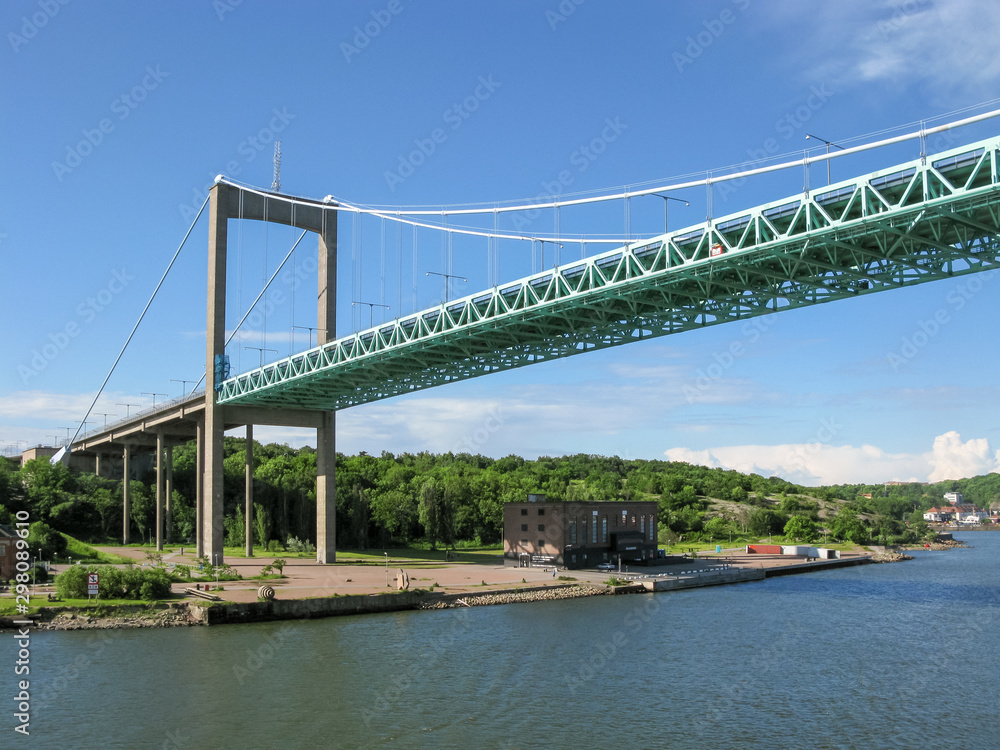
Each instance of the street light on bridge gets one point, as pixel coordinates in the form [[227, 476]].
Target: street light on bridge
[[828, 144], [154, 395], [447, 281], [310, 329], [183, 384], [105, 415], [666, 205], [127, 408], [371, 310], [261, 350]]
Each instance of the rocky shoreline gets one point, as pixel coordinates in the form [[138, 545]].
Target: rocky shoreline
[[889, 556], [515, 597], [174, 614]]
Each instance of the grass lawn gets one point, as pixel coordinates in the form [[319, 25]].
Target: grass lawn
[[78, 551], [346, 556]]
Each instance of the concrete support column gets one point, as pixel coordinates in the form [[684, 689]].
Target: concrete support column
[[199, 485], [326, 434], [160, 477], [326, 490], [218, 227], [126, 494], [168, 491], [97, 464], [248, 511]]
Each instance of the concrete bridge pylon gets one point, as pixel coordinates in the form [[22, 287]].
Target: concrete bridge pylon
[[227, 202]]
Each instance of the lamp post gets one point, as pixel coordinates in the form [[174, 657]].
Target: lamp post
[[105, 415], [666, 205], [310, 329], [154, 395], [447, 281], [183, 384], [828, 144], [261, 350], [127, 408], [371, 310]]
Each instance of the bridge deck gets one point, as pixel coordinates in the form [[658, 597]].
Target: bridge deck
[[916, 222]]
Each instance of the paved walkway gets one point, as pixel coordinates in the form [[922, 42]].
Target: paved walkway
[[307, 578]]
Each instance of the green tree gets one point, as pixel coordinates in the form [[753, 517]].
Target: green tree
[[847, 527], [764, 522], [800, 529], [51, 543]]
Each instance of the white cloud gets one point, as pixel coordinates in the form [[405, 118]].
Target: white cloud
[[952, 459], [948, 47], [819, 463]]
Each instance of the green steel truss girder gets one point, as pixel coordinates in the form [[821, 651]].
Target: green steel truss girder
[[929, 219]]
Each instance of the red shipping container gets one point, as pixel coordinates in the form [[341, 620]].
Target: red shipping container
[[764, 549]]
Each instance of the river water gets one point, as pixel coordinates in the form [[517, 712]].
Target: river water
[[877, 656]]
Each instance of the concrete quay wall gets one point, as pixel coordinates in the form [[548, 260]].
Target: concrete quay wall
[[705, 579], [303, 609]]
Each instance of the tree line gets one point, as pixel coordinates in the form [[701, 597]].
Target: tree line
[[457, 499]]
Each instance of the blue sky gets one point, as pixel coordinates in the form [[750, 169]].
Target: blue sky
[[117, 118]]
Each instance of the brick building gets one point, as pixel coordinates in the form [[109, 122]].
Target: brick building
[[8, 551], [578, 535]]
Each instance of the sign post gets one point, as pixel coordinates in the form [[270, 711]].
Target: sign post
[[92, 579]]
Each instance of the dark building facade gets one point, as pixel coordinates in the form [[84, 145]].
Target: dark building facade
[[578, 535]]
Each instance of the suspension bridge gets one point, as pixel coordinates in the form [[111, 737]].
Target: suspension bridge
[[936, 217]]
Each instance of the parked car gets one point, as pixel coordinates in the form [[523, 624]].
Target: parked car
[[607, 566]]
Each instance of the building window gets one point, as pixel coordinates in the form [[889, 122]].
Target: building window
[[572, 534], [593, 531], [652, 526], [524, 543], [541, 527], [541, 511], [642, 524], [633, 521], [541, 543], [524, 527], [604, 529], [524, 511]]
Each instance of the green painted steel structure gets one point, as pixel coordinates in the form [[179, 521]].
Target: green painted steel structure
[[934, 218]]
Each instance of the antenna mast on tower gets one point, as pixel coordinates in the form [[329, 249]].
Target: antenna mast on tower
[[276, 185]]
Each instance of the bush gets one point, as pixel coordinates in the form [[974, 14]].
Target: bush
[[274, 546], [114, 583], [294, 545]]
